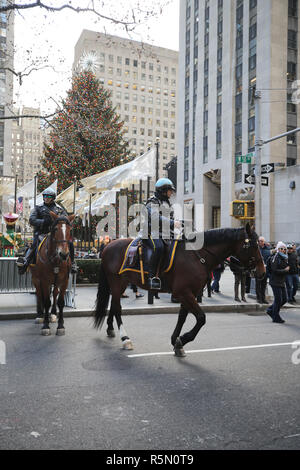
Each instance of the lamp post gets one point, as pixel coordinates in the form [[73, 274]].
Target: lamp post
[[258, 152], [157, 158]]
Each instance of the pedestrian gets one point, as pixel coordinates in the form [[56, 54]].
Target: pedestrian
[[138, 295], [278, 268], [292, 278], [239, 278], [261, 284], [217, 272]]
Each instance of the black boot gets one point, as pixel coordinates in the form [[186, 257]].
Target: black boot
[[24, 261], [154, 282]]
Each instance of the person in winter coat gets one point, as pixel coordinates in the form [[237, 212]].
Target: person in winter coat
[[261, 284], [240, 274], [292, 278], [279, 268]]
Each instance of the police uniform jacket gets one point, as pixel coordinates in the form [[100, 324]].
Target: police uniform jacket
[[41, 219], [160, 218]]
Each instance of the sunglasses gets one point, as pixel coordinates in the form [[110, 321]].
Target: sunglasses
[[47, 196], [282, 249]]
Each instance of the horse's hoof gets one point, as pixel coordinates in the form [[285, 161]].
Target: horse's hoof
[[127, 344], [111, 333], [39, 320], [53, 318], [60, 331], [46, 332], [178, 349]]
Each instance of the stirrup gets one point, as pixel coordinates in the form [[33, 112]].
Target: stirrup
[[155, 283]]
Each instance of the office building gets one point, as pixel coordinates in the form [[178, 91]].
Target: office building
[[142, 80], [228, 48]]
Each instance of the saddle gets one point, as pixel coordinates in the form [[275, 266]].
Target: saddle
[[137, 257]]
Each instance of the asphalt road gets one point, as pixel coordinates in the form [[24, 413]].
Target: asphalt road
[[82, 391]]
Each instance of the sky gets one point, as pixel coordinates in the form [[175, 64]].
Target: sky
[[46, 40]]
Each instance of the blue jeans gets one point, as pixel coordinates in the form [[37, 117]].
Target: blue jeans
[[280, 299], [215, 285], [292, 282]]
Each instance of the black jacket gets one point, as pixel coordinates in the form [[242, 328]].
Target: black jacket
[[236, 266], [41, 219], [161, 214], [278, 273], [293, 263]]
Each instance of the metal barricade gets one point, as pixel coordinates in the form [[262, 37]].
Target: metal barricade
[[11, 282]]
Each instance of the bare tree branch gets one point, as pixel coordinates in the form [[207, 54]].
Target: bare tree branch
[[38, 3], [18, 116], [20, 75]]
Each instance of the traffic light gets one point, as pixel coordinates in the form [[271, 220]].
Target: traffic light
[[243, 209]]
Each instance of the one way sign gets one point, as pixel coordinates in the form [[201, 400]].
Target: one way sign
[[250, 179], [268, 168]]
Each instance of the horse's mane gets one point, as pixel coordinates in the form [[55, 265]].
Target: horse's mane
[[212, 237]]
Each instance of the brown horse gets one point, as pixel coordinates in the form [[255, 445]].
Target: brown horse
[[52, 268], [186, 279]]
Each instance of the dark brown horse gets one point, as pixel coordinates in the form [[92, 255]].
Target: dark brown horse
[[186, 279], [52, 268]]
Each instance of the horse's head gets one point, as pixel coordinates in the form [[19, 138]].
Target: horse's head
[[61, 234], [249, 254]]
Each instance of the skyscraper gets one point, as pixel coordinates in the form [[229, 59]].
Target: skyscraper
[[229, 48], [143, 84]]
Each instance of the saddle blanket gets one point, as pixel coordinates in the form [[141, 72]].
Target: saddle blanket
[[131, 261]]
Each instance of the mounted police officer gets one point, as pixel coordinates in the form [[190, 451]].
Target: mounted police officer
[[41, 220], [161, 226]]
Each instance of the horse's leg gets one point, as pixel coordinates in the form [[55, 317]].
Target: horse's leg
[[61, 303], [192, 306], [47, 303], [53, 317], [110, 327], [116, 310], [183, 312], [39, 304]]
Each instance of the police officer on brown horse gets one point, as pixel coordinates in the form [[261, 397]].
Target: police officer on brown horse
[[41, 220], [160, 217]]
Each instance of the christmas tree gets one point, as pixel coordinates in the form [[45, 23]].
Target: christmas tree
[[86, 135]]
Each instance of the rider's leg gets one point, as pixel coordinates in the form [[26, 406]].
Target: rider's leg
[[154, 281], [24, 261]]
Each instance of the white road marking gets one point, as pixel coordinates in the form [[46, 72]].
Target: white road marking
[[234, 348]]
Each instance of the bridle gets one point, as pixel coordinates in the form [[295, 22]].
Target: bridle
[[250, 243], [54, 241]]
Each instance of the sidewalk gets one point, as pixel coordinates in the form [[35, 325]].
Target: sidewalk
[[23, 305]]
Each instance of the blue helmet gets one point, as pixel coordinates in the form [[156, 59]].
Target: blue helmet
[[49, 192], [164, 184]]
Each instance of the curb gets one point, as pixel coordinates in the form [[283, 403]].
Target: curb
[[251, 309]]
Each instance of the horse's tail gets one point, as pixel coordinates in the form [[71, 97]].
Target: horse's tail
[[102, 299]]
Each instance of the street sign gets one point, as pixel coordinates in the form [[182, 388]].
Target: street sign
[[250, 179], [245, 158], [268, 168]]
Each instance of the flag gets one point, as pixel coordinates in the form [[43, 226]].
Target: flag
[[19, 205]]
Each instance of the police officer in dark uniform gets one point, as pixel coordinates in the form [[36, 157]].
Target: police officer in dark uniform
[[156, 206], [41, 220]]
